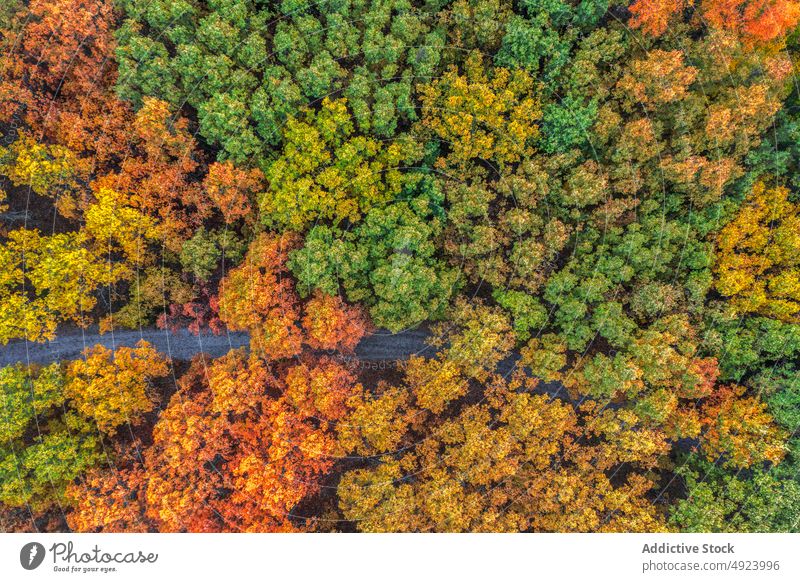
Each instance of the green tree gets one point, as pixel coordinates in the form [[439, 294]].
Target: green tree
[[247, 67], [43, 444], [387, 262], [723, 501], [328, 172]]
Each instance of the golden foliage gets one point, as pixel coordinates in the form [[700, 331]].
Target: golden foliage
[[114, 388], [758, 256]]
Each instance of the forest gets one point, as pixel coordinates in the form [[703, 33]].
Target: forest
[[590, 207]]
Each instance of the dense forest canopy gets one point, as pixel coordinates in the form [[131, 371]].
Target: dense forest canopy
[[592, 205]]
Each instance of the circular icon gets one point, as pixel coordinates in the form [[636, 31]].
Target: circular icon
[[31, 555]]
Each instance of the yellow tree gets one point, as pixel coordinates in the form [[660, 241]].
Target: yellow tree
[[115, 388], [434, 383], [377, 422], [758, 256], [116, 225], [48, 170], [739, 429], [479, 338], [328, 171], [46, 280], [513, 461], [480, 115]]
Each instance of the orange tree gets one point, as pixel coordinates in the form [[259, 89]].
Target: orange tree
[[245, 438]]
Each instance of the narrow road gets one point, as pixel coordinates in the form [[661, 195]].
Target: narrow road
[[380, 346]]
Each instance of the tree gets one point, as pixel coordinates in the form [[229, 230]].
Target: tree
[[319, 389], [158, 175], [328, 172], [331, 324], [474, 24], [109, 501], [376, 423], [232, 189], [246, 72], [653, 16], [186, 442], [57, 59], [48, 170], [45, 445], [758, 21], [511, 462], [739, 429], [388, 261], [394, 268], [150, 289], [434, 384], [258, 296], [478, 336], [542, 39], [528, 313], [720, 500], [482, 115], [45, 280], [58, 77], [499, 234], [658, 380], [36, 474], [201, 254], [749, 345], [659, 79], [781, 391], [757, 256], [27, 394], [545, 357], [116, 226], [115, 388], [248, 456]]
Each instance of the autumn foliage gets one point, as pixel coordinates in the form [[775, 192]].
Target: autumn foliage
[[236, 426], [755, 20], [231, 189], [758, 265], [496, 266], [113, 388], [259, 296]]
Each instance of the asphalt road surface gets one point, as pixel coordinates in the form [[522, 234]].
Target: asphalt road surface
[[182, 345], [381, 346]]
